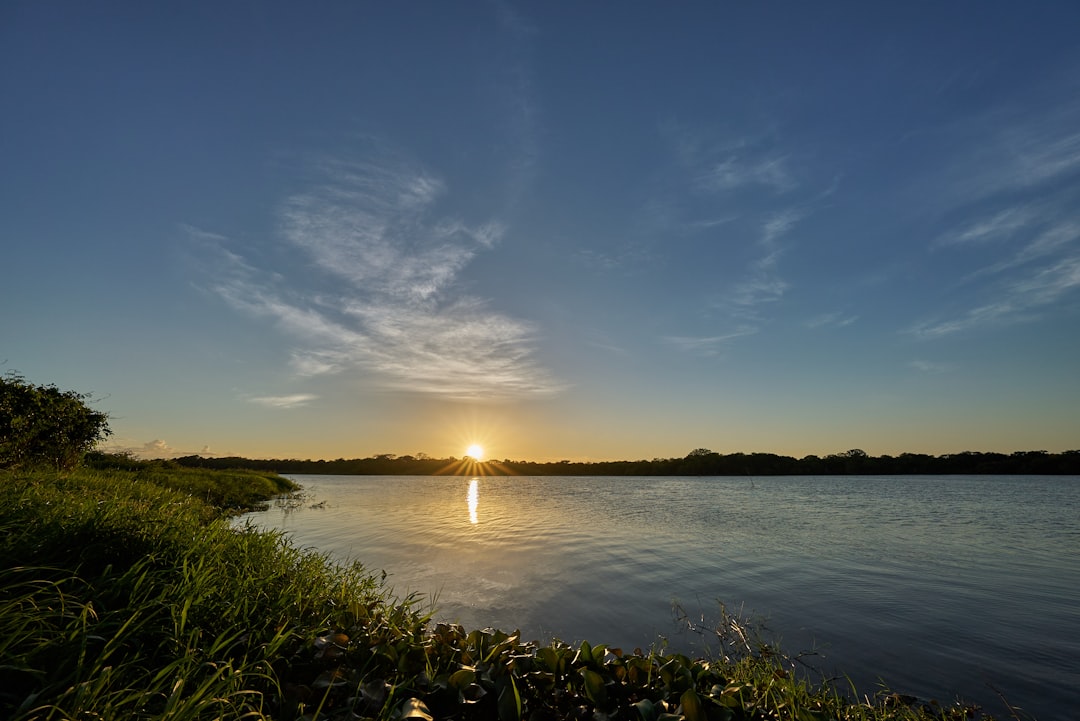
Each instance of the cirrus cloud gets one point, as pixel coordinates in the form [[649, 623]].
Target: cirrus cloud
[[389, 305]]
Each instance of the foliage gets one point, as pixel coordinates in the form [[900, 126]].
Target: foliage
[[45, 426], [122, 597]]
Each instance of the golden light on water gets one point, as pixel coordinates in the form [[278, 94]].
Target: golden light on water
[[473, 498]]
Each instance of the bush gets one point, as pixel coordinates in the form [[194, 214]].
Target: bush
[[45, 426]]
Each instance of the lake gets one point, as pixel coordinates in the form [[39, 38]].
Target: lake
[[939, 586]]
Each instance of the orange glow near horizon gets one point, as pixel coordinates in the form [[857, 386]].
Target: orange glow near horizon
[[471, 467], [476, 433]]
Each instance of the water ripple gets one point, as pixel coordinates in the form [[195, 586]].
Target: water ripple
[[941, 585]]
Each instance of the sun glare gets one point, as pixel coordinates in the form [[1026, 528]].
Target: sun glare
[[475, 451]]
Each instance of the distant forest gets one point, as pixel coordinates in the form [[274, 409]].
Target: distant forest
[[699, 462]]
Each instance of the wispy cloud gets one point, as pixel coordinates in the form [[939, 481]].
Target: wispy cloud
[[1045, 152], [397, 312], [748, 191], [1017, 230], [611, 348], [628, 258], [737, 171], [513, 101], [831, 320], [1023, 252], [724, 162], [200, 234], [290, 401], [763, 283], [930, 367], [705, 345], [999, 226], [1044, 242], [1018, 150], [1049, 284], [777, 225], [759, 288], [1020, 300]]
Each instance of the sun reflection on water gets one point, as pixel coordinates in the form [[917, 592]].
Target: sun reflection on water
[[474, 500]]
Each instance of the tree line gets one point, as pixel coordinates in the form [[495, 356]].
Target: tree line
[[41, 425], [699, 462]]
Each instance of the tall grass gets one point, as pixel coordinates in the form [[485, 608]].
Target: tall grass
[[121, 597], [229, 489], [125, 595]]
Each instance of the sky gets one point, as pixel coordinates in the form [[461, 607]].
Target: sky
[[560, 230]]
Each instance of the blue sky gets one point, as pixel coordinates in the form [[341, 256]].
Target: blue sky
[[561, 230]]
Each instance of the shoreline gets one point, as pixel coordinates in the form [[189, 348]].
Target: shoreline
[[169, 611]]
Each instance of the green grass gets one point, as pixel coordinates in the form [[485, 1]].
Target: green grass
[[126, 594], [224, 489]]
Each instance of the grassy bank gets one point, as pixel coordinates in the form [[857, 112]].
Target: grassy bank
[[125, 593]]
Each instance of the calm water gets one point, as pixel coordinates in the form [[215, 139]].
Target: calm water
[[938, 586]]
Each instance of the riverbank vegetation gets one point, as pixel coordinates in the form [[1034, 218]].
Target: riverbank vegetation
[[699, 462], [127, 593]]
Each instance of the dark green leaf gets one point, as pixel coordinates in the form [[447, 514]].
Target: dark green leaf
[[594, 687], [646, 710], [691, 706], [461, 679], [509, 702]]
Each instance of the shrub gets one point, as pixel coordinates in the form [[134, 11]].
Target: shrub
[[45, 426]]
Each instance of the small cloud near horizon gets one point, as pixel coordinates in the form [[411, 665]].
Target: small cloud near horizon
[[155, 449], [294, 400]]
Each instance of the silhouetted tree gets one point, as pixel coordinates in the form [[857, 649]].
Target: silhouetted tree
[[700, 462]]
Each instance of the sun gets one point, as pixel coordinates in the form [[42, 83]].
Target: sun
[[475, 451]]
